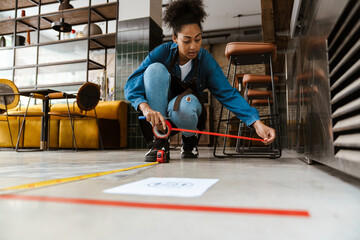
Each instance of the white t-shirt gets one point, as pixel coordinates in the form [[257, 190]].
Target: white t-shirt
[[185, 69]]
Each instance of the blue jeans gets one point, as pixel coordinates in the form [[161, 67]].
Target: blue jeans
[[157, 82]]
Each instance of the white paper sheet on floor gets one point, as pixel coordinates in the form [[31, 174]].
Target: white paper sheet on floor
[[175, 187]]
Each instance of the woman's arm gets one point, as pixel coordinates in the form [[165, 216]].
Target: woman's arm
[[134, 89]]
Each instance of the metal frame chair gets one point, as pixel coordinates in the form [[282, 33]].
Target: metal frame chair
[[10, 99], [87, 99]]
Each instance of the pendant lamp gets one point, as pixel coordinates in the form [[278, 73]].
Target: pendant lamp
[[62, 26], [65, 4]]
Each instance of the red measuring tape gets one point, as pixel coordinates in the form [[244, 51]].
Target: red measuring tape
[[160, 134]]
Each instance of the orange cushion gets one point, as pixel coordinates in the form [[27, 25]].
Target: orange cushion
[[248, 48], [252, 78], [253, 93]]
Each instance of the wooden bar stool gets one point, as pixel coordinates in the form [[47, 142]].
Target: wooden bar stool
[[248, 53], [251, 82]]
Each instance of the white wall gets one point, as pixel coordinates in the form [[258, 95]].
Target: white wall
[[130, 9], [221, 14]]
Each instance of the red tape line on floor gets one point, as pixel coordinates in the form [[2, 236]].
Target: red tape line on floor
[[196, 208], [170, 128], [217, 134]]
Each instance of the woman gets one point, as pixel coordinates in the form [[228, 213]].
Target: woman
[[170, 81]]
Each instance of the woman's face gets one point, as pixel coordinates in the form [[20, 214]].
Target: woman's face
[[189, 42]]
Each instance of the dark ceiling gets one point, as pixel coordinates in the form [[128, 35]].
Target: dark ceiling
[[276, 15]]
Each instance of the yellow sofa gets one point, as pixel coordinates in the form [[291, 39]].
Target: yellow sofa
[[112, 117]]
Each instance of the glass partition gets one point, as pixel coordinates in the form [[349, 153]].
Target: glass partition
[[25, 56], [7, 58], [6, 74], [61, 52], [48, 35], [60, 74], [25, 77]]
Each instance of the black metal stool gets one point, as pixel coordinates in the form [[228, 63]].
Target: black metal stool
[[248, 53]]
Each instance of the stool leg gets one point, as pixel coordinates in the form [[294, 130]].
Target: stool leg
[[22, 125], [275, 107], [8, 123], [221, 111], [246, 91], [228, 114], [238, 144], [272, 120], [298, 119], [72, 123], [250, 103], [240, 147], [251, 130], [48, 137], [98, 125], [241, 125]]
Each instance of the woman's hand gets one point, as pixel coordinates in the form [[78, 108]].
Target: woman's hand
[[265, 132], [154, 117]]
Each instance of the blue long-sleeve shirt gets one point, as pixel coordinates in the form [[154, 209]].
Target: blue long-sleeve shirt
[[209, 76]]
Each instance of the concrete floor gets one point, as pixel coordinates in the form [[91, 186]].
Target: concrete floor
[[80, 210]]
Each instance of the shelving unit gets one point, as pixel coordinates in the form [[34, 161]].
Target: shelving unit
[[11, 4], [77, 16]]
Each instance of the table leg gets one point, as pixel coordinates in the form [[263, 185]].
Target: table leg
[[44, 125]]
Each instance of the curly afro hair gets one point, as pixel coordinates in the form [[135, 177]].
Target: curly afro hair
[[182, 12]]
